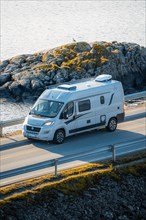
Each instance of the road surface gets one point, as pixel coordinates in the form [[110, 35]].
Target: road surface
[[23, 159]]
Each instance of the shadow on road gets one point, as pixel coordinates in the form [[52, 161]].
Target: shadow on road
[[16, 143], [135, 117]]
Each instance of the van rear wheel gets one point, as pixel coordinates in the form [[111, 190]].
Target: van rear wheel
[[112, 125], [59, 137]]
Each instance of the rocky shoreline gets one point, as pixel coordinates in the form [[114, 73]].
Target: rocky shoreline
[[25, 77], [118, 196]]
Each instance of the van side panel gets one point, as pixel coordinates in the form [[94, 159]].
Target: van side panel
[[85, 114], [104, 106]]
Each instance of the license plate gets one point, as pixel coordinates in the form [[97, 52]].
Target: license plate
[[31, 135]]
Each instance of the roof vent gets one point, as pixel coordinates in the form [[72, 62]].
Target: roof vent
[[103, 78], [67, 87]]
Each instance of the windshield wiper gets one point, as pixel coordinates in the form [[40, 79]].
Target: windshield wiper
[[46, 116], [32, 113]]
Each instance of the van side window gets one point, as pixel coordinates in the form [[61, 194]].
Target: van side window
[[102, 101], [84, 105], [68, 110]]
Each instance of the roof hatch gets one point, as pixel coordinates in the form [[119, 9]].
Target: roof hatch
[[67, 87], [103, 78]]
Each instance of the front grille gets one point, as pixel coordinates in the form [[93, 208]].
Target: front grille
[[30, 128]]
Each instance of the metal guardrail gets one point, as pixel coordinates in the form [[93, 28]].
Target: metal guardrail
[[10, 123], [135, 96], [21, 120], [111, 150]]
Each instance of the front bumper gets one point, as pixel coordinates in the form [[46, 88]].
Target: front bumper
[[45, 133]]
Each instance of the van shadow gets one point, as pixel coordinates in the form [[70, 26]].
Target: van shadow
[[90, 141]]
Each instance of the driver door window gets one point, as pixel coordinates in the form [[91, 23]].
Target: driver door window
[[68, 110]]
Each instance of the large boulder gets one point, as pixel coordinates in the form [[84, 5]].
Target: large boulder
[[17, 76], [16, 90], [36, 84], [5, 77], [78, 46], [35, 58], [4, 93], [6, 85], [3, 65], [25, 83], [11, 67], [18, 60], [127, 63]]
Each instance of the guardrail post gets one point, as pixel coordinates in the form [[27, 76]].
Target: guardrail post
[[1, 131], [55, 163], [113, 153]]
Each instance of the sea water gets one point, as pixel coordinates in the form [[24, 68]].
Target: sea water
[[30, 26]]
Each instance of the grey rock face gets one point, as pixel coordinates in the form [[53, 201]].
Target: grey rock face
[[3, 65], [11, 67], [6, 85], [16, 76], [5, 77], [36, 84], [25, 83], [15, 89], [82, 46], [126, 62], [18, 60]]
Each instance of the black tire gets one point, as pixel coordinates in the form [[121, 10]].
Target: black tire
[[59, 136], [112, 125]]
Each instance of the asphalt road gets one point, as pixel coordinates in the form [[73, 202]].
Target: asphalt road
[[22, 159]]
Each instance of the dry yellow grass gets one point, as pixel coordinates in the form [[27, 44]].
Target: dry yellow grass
[[31, 183], [13, 133], [71, 181], [73, 184]]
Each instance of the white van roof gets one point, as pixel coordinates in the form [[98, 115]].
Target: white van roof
[[68, 92]]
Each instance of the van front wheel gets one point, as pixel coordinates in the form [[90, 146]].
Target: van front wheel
[[112, 124], [59, 137]]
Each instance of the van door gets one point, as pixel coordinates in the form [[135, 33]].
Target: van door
[[68, 117], [84, 117]]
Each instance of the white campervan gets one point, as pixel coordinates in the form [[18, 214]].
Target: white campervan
[[74, 108]]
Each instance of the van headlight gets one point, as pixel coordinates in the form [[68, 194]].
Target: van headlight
[[49, 123]]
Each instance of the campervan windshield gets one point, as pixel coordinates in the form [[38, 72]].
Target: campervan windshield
[[46, 108]]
